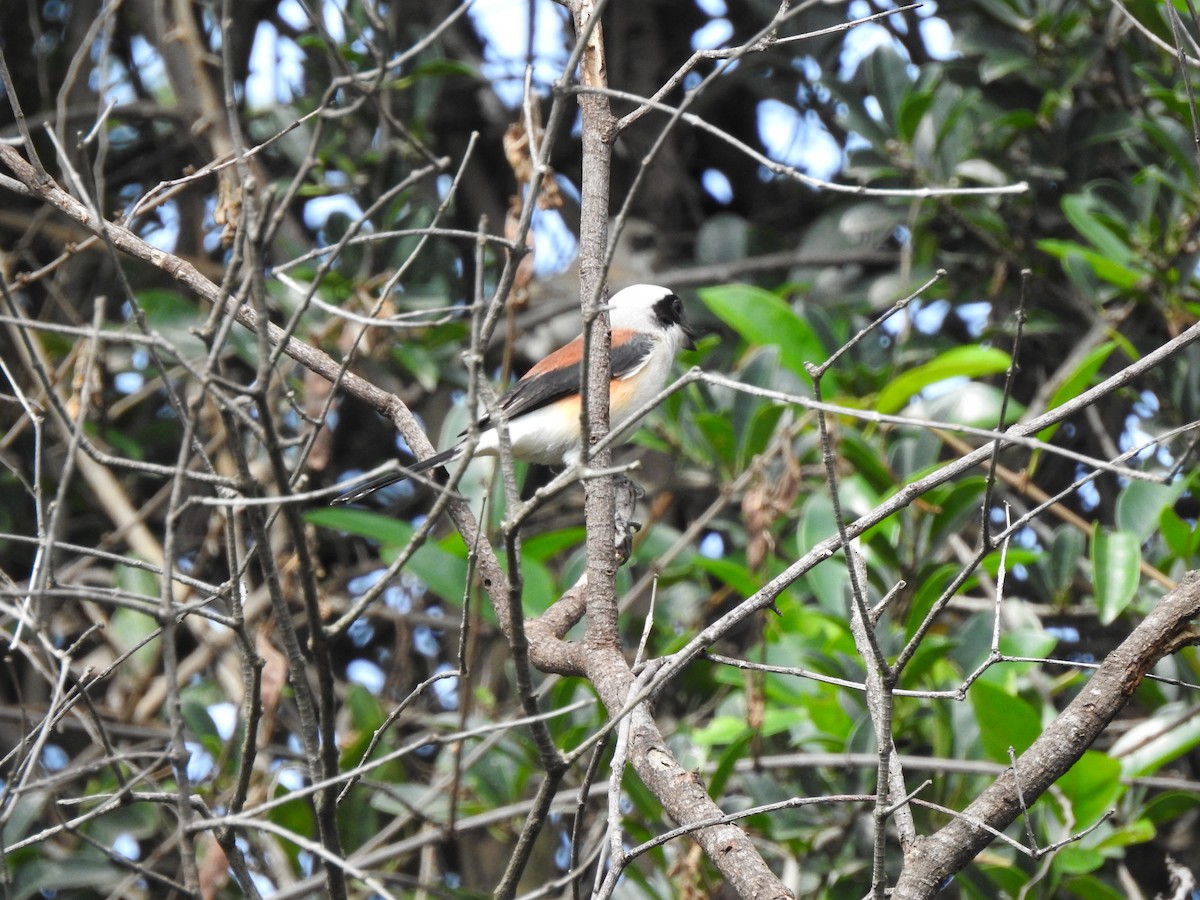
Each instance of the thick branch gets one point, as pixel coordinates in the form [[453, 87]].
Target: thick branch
[[939, 856], [681, 792], [598, 120]]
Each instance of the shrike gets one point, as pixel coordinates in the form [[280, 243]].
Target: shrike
[[543, 408]]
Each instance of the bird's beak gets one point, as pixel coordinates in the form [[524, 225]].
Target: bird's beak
[[689, 336]]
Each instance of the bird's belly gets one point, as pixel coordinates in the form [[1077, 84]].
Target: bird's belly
[[549, 435]]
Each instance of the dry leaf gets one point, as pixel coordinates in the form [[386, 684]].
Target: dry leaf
[[519, 296], [767, 499], [520, 159]]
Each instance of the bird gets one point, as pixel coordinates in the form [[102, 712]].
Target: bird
[[542, 409]]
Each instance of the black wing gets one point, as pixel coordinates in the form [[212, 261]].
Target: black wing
[[550, 380]]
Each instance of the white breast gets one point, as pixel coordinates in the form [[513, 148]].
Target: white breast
[[550, 435]]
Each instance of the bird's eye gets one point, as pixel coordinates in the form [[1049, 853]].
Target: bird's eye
[[677, 307]]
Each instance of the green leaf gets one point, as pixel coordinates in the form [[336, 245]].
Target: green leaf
[[385, 530], [973, 404], [930, 586], [1031, 642], [366, 713], [84, 871], [1136, 832], [1078, 381], [828, 580], [1092, 786], [1015, 556], [442, 67], [1169, 806], [419, 362], [538, 586], [1104, 268], [1163, 738], [961, 362], [732, 754], [863, 456], [1088, 887], [913, 107], [888, 80], [982, 171], [129, 628], [1066, 550], [733, 574], [444, 573], [1141, 504], [871, 223], [1181, 538], [1001, 65], [139, 820], [198, 718], [761, 318], [955, 507], [1076, 860], [720, 731], [1004, 720], [931, 664], [1081, 211], [27, 811], [718, 434], [1116, 561], [173, 317], [764, 422], [1004, 879], [544, 547]]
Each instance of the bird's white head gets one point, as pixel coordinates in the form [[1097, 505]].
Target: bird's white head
[[652, 309]]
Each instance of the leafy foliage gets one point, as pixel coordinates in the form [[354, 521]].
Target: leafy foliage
[[141, 432]]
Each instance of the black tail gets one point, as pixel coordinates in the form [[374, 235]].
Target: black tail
[[370, 487]]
